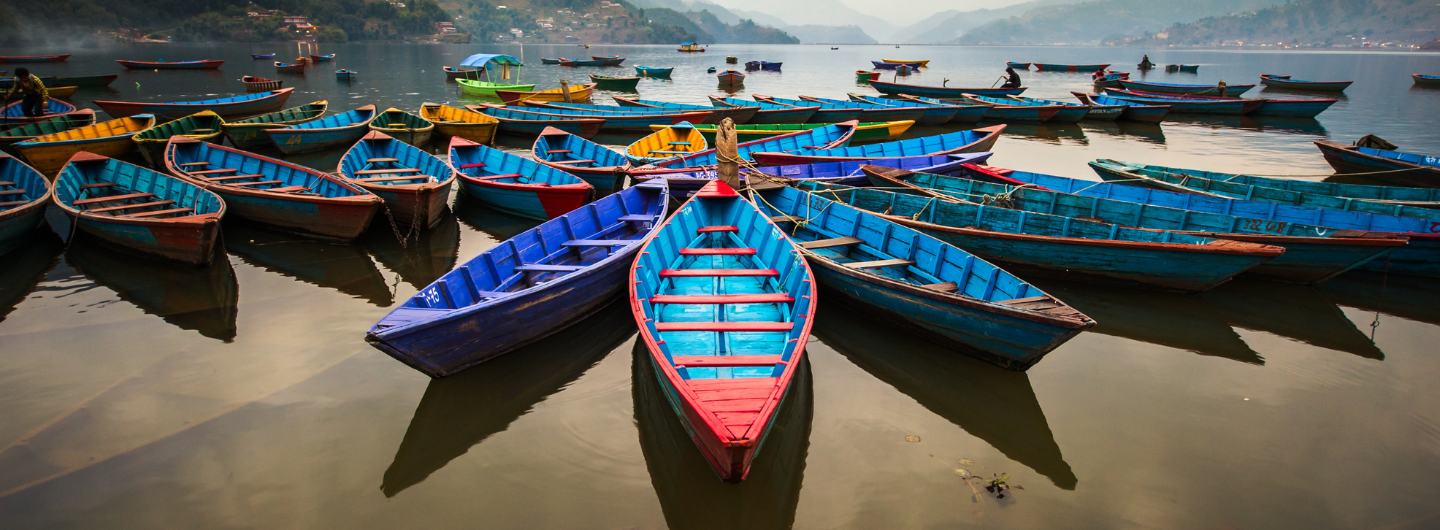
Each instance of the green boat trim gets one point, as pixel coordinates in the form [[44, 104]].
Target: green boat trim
[[249, 133], [486, 88], [61, 123], [865, 132], [204, 125]]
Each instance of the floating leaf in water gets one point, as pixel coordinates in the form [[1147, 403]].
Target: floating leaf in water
[[912, 438], [967, 462], [964, 473]]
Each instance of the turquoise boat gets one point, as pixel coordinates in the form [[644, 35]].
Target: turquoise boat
[[738, 115], [1312, 254], [413, 183], [516, 185], [1065, 113], [24, 193], [650, 71], [930, 114], [1070, 248], [1388, 195], [1093, 112], [971, 141], [824, 113], [598, 165], [965, 113], [324, 133], [873, 112], [922, 283]]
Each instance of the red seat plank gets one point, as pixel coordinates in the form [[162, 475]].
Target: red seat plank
[[713, 229], [716, 361], [129, 206], [724, 326], [758, 298], [212, 171], [468, 166], [717, 252], [700, 273]]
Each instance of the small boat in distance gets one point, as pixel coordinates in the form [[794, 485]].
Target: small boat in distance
[[162, 65], [1020, 66], [1048, 67], [1284, 81], [288, 68], [690, 47], [346, 75], [1426, 81], [731, 78], [605, 82], [650, 71], [259, 84], [322, 58], [34, 58], [262, 56]]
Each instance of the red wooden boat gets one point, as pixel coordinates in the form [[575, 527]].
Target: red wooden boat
[[246, 105], [34, 58], [208, 64]]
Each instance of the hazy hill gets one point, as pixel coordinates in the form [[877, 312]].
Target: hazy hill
[[1097, 21], [708, 27], [805, 33], [1312, 22], [946, 26], [830, 34]]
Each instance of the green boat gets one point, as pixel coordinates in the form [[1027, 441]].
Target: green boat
[[865, 132], [204, 125], [249, 133], [605, 82], [484, 71], [62, 123], [403, 126], [86, 80], [487, 89]]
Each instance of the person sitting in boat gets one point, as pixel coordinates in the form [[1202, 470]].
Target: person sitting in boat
[[1099, 75], [33, 103], [1012, 78], [1145, 62]]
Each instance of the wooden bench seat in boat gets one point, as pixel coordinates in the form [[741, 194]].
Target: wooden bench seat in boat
[[213, 171], [13, 203], [717, 252], [20, 191], [380, 171], [596, 243], [725, 326], [832, 242], [258, 183], [111, 198], [394, 179], [757, 298], [233, 177], [129, 206], [784, 218], [585, 161], [82, 186], [947, 287], [537, 267], [194, 164], [879, 263], [157, 213], [719, 361], [715, 229], [704, 273], [379, 160]]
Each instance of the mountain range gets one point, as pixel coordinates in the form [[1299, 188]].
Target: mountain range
[[1341, 23]]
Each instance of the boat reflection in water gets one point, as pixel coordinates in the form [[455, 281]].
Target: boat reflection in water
[[25, 267], [344, 268], [1050, 133], [202, 299], [1296, 312], [1144, 132], [429, 255], [1408, 297], [460, 411], [491, 222], [691, 495], [1180, 321], [991, 403]]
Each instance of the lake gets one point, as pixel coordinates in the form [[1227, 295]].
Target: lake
[[143, 395]]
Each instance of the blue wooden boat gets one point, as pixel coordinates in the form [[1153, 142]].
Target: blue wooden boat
[[53, 108], [846, 173], [1284, 81], [287, 68], [1230, 107], [942, 92], [870, 112], [1417, 197], [922, 283], [516, 122], [24, 193], [769, 112], [1421, 257], [614, 120], [1185, 90], [346, 75], [1426, 81], [278, 194], [650, 71], [964, 113], [139, 210], [1131, 112], [1092, 112], [971, 141], [525, 288], [1393, 167], [324, 133], [882, 65], [739, 115], [322, 58], [827, 113], [837, 135], [1074, 249], [413, 183], [1296, 108], [262, 56], [1008, 109], [516, 185], [929, 114], [1312, 254], [752, 65], [596, 164], [246, 105], [725, 303], [1018, 66], [767, 65], [544, 60]]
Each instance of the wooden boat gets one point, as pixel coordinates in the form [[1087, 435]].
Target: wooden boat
[[403, 126], [650, 71], [731, 59], [1110, 80], [260, 84], [63, 122], [581, 62], [608, 60], [904, 70], [942, 92], [1284, 81], [54, 108], [413, 183], [731, 78], [1132, 111], [690, 47], [1393, 167], [605, 82], [768, 112], [836, 135], [1312, 254], [523, 289], [1386, 195], [1021, 66], [488, 89], [864, 132], [772, 66], [249, 133], [246, 105], [964, 112], [34, 58], [1226, 107], [514, 122], [140, 210], [516, 97], [1192, 90], [1182, 68], [112, 138], [258, 56], [881, 65], [278, 194], [1005, 109], [1047, 67], [929, 114], [516, 185], [668, 142], [62, 92], [467, 124], [322, 58], [86, 80], [730, 261], [738, 115], [638, 121], [917, 64], [24, 193], [1300, 108], [1076, 249], [596, 164], [971, 141], [452, 74], [846, 173], [551, 61], [314, 135], [346, 75], [1421, 257], [288, 68], [922, 283], [826, 113], [870, 112], [866, 76], [204, 125], [181, 65], [1092, 112], [1426, 81]]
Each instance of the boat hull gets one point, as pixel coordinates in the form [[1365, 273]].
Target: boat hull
[[188, 65], [534, 202], [292, 141], [1317, 86], [336, 221], [414, 204], [49, 157], [942, 92], [1347, 159], [171, 111], [191, 242], [480, 133]]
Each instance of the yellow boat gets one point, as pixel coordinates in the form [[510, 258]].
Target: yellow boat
[[63, 92], [204, 125], [467, 124], [112, 138], [578, 94], [864, 133], [912, 63], [667, 142]]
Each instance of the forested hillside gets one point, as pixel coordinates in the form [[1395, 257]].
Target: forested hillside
[[1312, 23], [1097, 21], [706, 27]]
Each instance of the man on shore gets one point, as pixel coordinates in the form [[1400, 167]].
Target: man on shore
[[35, 94]]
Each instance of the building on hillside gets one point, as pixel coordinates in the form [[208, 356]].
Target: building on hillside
[[444, 27], [298, 22]]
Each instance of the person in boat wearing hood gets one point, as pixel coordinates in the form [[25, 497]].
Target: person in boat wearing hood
[[1145, 62], [1012, 78], [33, 103]]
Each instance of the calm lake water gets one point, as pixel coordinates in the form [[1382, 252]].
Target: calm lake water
[[139, 395]]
